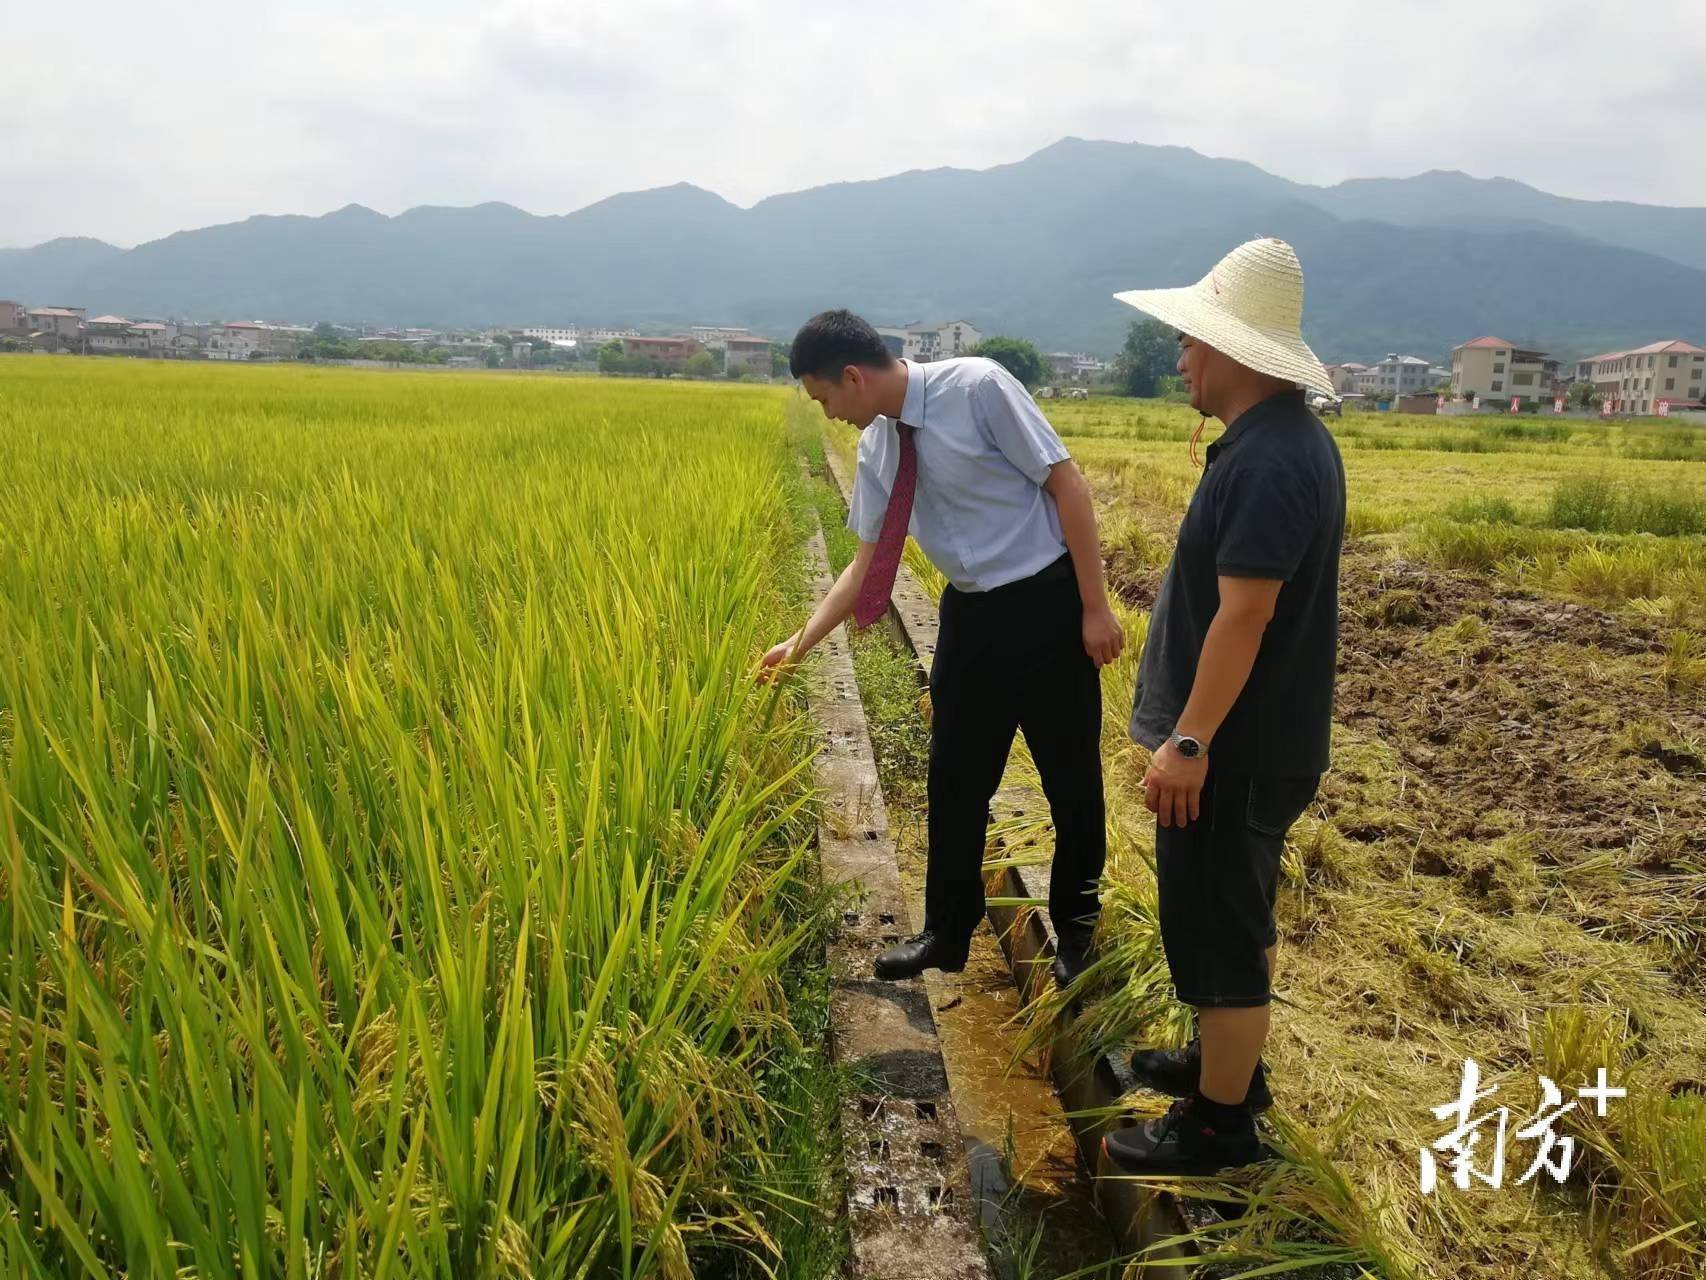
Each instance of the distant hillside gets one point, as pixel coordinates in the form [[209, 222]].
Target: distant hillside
[[1036, 247], [35, 275], [1456, 199]]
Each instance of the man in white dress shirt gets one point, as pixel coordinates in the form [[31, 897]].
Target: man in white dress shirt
[[983, 483]]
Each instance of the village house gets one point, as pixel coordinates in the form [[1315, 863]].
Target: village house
[[113, 335], [670, 352], [159, 335], [1671, 371], [232, 341], [243, 339], [746, 353], [1344, 376], [599, 336], [13, 316], [558, 336], [1395, 376], [1075, 366], [713, 337], [926, 342], [59, 322], [1491, 367]]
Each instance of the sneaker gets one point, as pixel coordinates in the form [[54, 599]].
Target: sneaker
[[1185, 1142], [1178, 1072]]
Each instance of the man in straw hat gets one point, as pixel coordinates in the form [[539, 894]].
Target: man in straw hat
[[1235, 691], [957, 452]]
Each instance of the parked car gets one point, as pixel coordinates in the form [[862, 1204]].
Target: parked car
[[1324, 405]]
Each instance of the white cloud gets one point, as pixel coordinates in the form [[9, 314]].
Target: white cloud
[[138, 121]]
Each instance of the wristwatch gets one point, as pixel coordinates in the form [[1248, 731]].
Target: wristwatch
[[1190, 748]]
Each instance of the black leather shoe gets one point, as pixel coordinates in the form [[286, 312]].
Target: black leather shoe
[[1178, 1072], [922, 951], [1184, 1142]]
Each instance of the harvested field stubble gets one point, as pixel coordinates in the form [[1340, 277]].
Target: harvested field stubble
[[1507, 862]]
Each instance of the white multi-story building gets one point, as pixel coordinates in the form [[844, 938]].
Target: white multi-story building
[[715, 337], [565, 336], [1396, 375], [240, 339], [927, 342], [598, 337], [944, 341], [1491, 367], [1636, 381], [111, 335]]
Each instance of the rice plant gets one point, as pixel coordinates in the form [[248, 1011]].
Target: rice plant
[[401, 875]]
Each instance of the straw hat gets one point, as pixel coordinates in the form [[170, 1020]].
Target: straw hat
[[1250, 307]]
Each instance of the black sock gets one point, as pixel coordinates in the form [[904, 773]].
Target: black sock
[[1220, 1115]]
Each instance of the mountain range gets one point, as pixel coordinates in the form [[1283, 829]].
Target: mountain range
[[1034, 248]]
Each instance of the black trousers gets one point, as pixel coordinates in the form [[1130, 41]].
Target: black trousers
[[1013, 659]]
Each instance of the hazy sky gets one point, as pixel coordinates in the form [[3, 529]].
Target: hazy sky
[[141, 119]]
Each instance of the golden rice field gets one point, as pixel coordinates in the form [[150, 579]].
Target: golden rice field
[[401, 874]]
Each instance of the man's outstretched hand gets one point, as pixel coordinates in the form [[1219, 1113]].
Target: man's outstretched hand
[[779, 661]]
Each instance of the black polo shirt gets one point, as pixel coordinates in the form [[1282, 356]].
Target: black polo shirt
[[1270, 504]]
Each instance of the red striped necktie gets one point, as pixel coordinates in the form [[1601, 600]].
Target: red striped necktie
[[874, 592]]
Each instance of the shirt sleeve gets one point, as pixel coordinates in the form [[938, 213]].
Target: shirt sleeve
[[1267, 521], [865, 511], [1017, 427]]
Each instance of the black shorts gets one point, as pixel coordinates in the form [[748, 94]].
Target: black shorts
[[1216, 879]]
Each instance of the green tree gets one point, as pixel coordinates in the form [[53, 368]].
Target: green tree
[[1150, 353], [611, 358], [1018, 356], [701, 364], [325, 343], [1583, 395], [778, 362]]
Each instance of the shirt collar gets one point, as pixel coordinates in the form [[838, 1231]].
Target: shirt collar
[[1281, 402], [912, 408]]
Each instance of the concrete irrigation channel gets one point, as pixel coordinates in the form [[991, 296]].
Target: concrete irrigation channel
[[909, 1204], [1090, 1084]]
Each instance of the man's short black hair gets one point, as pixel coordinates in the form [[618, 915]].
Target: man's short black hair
[[831, 340]]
